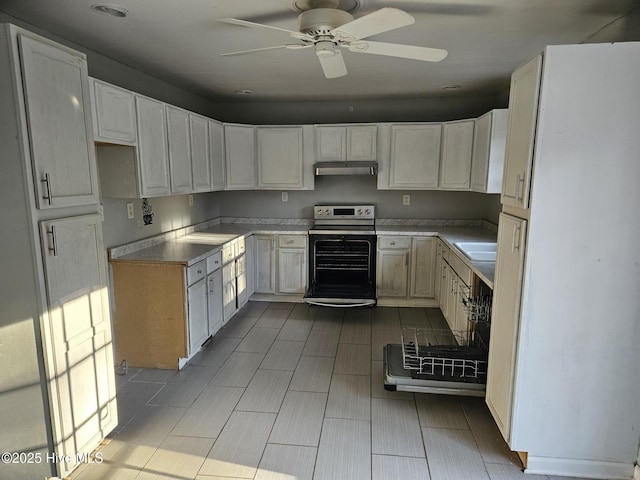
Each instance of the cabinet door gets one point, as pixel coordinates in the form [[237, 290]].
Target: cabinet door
[[200, 162], [57, 101], [457, 146], [197, 315], [229, 305], [240, 157], [292, 270], [214, 301], [241, 281], [437, 271], [330, 143], [280, 158], [505, 320], [423, 259], [77, 334], [480, 158], [392, 270], [362, 142], [265, 261], [153, 160], [444, 288], [179, 147], [114, 114], [452, 303], [216, 155], [523, 114], [415, 156], [461, 322]]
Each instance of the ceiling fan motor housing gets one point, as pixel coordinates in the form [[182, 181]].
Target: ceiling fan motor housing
[[320, 21]]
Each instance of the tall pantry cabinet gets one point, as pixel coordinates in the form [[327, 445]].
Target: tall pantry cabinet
[[57, 386], [563, 383]]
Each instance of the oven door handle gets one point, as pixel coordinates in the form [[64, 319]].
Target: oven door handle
[[365, 303]]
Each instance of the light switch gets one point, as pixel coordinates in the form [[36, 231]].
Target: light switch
[[191, 200], [130, 210], [406, 199], [285, 196]]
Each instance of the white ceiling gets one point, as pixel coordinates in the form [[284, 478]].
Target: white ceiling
[[181, 42]]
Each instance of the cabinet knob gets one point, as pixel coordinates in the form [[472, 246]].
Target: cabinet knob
[[393, 243], [199, 271]]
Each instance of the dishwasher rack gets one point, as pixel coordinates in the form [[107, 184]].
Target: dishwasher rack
[[445, 355]]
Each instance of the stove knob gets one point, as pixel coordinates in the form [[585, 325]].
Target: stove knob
[[319, 211], [327, 212], [368, 211], [360, 211]]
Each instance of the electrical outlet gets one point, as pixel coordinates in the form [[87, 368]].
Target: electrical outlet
[[285, 196], [406, 199], [191, 200], [130, 213]]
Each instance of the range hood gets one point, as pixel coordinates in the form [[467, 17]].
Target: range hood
[[346, 168]]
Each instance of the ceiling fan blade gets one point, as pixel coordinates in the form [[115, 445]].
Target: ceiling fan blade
[[413, 52], [254, 50], [333, 65], [246, 23], [379, 21]]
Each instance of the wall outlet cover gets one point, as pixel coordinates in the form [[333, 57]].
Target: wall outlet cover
[[130, 213], [406, 199], [191, 200], [285, 196]]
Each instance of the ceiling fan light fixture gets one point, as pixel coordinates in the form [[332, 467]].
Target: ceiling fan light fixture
[[111, 10], [325, 48]]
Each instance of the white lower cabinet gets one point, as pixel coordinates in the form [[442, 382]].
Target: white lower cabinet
[[281, 264], [214, 301], [423, 257], [198, 324], [392, 272], [229, 291], [455, 279]]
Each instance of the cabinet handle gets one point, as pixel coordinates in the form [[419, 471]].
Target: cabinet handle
[[54, 246], [519, 182], [393, 243], [47, 188], [289, 242], [515, 243], [211, 285], [199, 272]]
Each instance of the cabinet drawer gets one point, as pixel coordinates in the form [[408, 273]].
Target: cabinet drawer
[[214, 262], [387, 242], [196, 272], [228, 252], [461, 268], [241, 246], [292, 241]]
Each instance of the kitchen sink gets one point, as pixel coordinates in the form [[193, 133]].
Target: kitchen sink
[[478, 251]]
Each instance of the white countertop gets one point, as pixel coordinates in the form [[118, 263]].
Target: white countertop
[[196, 246]]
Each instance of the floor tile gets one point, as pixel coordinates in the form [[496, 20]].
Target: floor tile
[[134, 445], [238, 326], [349, 397], [453, 454], [184, 387], [300, 419], [258, 340], [345, 450], [265, 391], [485, 431], [177, 457], [385, 328], [131, 397], [104, 472], [288, 306], [283, 355], [216, 352], [356, 326], [413, 317], [124, 374], [440, 411], [322, 341], [239, 448], [238, 370], [353, 359], [436, 319], [253, 309], [386, 467], [209, 413], [313, 374], [304, 311], [395, 429], [155, 375], [287, 462], [295, 329], [272, 318]]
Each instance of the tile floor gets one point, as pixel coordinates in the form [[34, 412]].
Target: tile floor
[[292, 392]]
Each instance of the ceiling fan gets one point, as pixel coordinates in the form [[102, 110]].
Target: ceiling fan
[[327, 29]]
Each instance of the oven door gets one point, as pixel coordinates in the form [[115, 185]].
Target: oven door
[[342, 270]]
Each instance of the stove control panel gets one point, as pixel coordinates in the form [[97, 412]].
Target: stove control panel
[[344, 212]]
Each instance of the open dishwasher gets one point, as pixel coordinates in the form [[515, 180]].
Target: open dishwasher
[[443, 361]]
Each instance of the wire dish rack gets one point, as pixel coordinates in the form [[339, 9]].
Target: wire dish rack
[[459, 356]]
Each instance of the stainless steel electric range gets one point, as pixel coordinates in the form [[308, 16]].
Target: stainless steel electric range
[[342, 256]]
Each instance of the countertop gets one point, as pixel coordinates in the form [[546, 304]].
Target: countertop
[[196, 246]]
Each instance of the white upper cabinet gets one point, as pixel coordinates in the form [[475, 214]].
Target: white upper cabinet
[[216, 154], [489, 140], [179, 145], [152, 158], [240, 157], [280, 157], [114, 113], [346, 143], [414, 156], [59, 124], [457, 146], [523, 113], [200, 161]]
